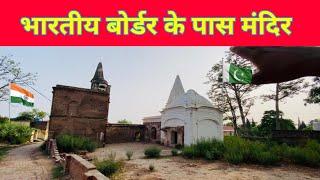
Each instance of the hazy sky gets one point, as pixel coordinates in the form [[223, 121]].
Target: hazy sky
[[140, 77]]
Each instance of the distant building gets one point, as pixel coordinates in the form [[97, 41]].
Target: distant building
[[41, 130], [315, 124], [228, 131]]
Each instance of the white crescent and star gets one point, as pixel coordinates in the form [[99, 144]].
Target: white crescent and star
[[236, 77]]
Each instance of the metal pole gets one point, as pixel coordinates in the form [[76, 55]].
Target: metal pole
[[9, 102]]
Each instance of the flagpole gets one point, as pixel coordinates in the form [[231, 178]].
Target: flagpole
[[9, 103]]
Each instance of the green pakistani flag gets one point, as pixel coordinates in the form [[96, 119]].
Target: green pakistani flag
[[236, 75]]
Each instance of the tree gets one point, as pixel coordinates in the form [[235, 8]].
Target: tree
[[268, 123], [248, 125], [234, 100], [282, 92], [302, 126], [124, 121], [253, 124], [31, 115], [314, 94], [10, 71]]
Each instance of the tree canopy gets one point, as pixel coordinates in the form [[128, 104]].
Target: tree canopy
[[314, 94], [31, 115], [124, 121], [268, 122]]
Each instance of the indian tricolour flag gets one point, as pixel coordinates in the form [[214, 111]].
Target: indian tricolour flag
[[236, 75], [20, 95]]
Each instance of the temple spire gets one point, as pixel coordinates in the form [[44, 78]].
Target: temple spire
[[176, 91], [98, 82]]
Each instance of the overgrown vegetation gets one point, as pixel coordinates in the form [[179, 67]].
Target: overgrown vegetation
[[237, 150], [69, 143], [152, 152], [58, 172], [3, 151], [209, 149], [14, 133], [110, 166]]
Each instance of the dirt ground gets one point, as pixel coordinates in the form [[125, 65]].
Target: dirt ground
[[26, 162], [168, 167]]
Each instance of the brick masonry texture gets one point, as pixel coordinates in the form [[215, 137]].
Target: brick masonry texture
[[78, 111]]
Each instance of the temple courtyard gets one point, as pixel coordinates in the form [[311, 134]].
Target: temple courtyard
[[176, 167]]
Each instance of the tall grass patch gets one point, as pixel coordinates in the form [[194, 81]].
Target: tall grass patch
[[69, 143], [209, 149]]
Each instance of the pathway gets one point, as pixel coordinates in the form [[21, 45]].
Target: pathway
[[26, 162]]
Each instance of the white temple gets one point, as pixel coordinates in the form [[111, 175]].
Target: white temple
[[188, 117]]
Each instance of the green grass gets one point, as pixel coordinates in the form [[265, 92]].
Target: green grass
[[4, 151], [57, 172]]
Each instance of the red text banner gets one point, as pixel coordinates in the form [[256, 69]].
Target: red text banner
[[159, 23]]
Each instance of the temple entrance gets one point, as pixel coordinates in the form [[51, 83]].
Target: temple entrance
[[174, 137], [153, 133]]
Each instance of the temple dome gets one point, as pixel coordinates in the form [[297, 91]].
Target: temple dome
[[190, 99]]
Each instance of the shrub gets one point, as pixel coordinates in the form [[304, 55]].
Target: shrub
[[89, 145], [151, 167], [212, 155], [209, 146], [236, 150], [129, 154], [69, 143], [189, 152], [281, 151], [313, 145], [15, 133], [304, 156], [178, 146], [233, 157], [267, 158], [109, 167], [152, 152], [174, 152]]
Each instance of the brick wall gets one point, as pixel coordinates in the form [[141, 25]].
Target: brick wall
[[81, 169], [75, 166], [119, 133], [78, 111]]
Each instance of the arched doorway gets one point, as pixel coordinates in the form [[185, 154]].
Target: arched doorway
[[137, 136], [174, 137], [153, 133]]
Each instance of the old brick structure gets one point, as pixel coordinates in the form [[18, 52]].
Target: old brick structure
[[152, 129], [120, 133], [81, 111]]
